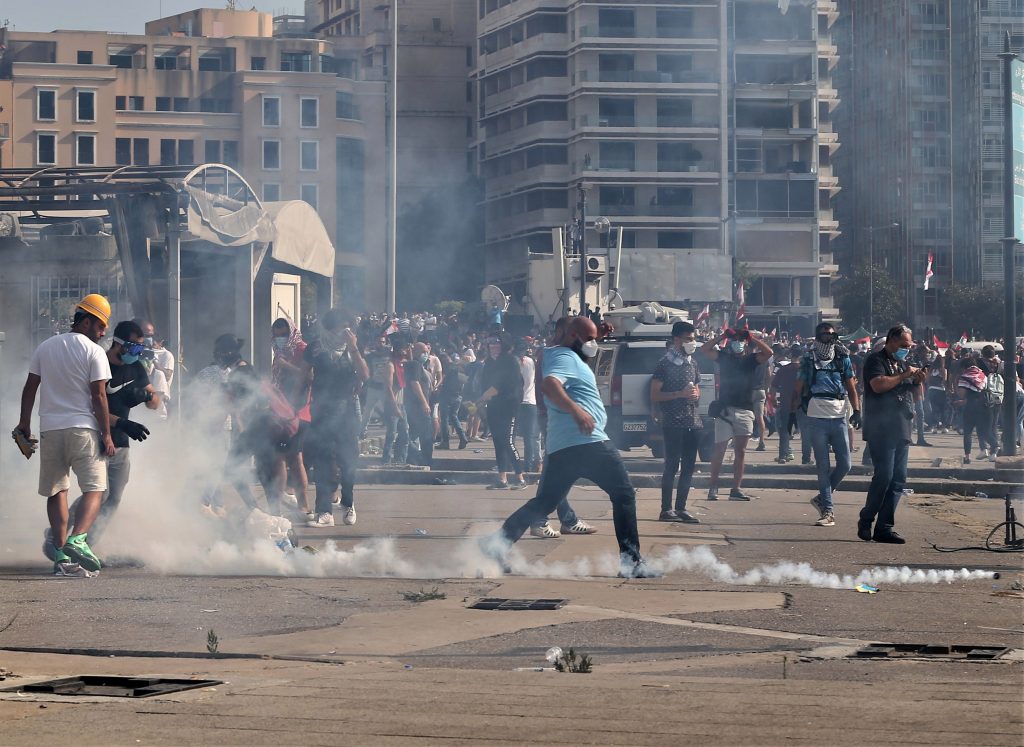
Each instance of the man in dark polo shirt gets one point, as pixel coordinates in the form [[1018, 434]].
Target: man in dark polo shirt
[[889, 385]]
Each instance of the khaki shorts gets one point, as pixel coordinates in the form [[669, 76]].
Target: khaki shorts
[[66, 449], [740, 423]]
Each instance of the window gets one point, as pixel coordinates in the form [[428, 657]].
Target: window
[[616, 22], [181, 104], [217, 60], [271, 154], [309, 112], [297, 62], [46, 104], [46, 148], [123, 151], [469, 57], [136, 103], [616, 112], [345, 106], [172, 58], [215, 106], [140, 151], [271, 192], [309, 193], [350, 172], [84, 57], [271, 111], [186, 152], [85, 150], [168, 152], [436, 24], [674, 24], [617, 156], [675, 239], [258, 63], [309, 155], [211, 153], [469, 91], [120, 103], [120, 60], [163, 103], [230, 153]]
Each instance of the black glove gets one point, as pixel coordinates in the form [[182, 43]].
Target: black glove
[[134, 431], [791, 424], [141, 395], [855, 420]]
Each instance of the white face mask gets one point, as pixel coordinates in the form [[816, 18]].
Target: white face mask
[[689, 348], [589, 349]]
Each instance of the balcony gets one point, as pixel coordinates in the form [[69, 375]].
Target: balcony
[[689, 77], [651, 167], [659, 211], [590, 121]]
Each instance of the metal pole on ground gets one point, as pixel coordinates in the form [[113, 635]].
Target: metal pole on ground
[[1013, 116]]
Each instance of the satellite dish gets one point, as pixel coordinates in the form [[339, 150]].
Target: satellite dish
[[613, 300], [494, 296]]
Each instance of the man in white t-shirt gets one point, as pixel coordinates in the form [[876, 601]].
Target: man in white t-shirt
[[526, 421], [70, 372], [161, 375]]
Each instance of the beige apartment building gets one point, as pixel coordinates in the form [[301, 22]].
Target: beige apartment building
[[702, 128], [210, 86]]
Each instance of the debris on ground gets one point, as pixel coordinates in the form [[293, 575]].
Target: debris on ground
[[866, 589], [423, 595]]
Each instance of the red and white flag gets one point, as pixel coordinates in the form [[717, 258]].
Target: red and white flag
[[928, 270], [774, 330], [703, 316], [741, 310], [939, 344]]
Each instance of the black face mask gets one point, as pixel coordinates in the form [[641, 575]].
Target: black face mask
[[228, 359], [577, 347]]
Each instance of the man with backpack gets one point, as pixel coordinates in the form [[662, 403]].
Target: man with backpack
[[823, 388], [994, 393]]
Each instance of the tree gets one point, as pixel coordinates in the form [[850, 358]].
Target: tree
[[853, 292], [977, 310]]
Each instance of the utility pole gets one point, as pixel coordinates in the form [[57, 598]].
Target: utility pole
[[1010, 84], [392, 249], [581, 236]]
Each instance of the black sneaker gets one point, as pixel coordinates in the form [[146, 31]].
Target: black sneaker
[[761, 446], [738, 495], [499, 485], [806, 461], [669, 515], [922, 442], [818, 505], [686, 517], [517, 485], [712, 494], [639, 569], [864, 530], [889, 537]]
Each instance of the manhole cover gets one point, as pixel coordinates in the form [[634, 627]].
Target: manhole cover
[[112, 686], [496, 603], [929, 651]]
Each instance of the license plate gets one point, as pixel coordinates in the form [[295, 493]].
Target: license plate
[[634, 427]]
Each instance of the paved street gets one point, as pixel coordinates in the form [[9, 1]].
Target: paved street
[[346, 659]]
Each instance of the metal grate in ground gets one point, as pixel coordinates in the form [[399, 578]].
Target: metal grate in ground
[[112, 686], [497, 603]]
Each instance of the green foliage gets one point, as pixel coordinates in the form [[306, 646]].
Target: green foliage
[[852, 294], [447, 308], [212, 642], [573, 663], [977, 309]]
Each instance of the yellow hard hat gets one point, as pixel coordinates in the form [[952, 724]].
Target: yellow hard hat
[[96, 305]]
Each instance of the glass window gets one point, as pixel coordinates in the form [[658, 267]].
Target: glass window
[[309, 112], [345, 106], [136, 103], [120, 103], [163, 103], [271, 192], [84, 57], [271, 154], [46, 104], [85, 150], [301, 62], [123, 151], [46, 148], [258, 63], [309, 193], [186, 152], [309, 155], [271, 111], [212, 151], [168, 152], [140, 151], [230, 153], [350, 173], [181, 104]]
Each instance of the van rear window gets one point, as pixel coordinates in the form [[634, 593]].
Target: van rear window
[[639, 360]]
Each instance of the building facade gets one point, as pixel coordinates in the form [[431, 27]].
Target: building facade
[[701, 128], [210, 86], [437, 195]]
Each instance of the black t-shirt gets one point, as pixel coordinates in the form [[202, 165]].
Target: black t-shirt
[[414, 371], [737, 380], [122, 394], [334, 382], [677, 372], [887, 415], [503, 373]]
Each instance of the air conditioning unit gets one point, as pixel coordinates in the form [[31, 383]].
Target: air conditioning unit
[[597, 265]]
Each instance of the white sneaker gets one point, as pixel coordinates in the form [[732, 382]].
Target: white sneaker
[[580, 527], [289, 501], [983, 455], [545, 531], [350, 516], [71, 569], [322, 520]]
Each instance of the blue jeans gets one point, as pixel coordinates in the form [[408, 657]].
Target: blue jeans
[[823, 432], [601, 464], [805, 439], [889, 455], [336, 447], [396, 439], [526, 425], [450, 419]]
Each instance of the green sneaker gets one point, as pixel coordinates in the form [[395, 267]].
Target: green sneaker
[[79, 551]]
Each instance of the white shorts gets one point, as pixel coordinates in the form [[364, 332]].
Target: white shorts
[[66, 449], [735, 423]]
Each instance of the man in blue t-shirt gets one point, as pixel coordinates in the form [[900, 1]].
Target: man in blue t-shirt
[[577, 447]]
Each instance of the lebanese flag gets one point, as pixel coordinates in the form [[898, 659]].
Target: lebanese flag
[[704, 315], [939, 343], [772, 333], [741, 311], [928, 270]]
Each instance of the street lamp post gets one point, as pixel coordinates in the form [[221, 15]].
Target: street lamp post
[[871, 273], [392, 248], [581, 237]]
